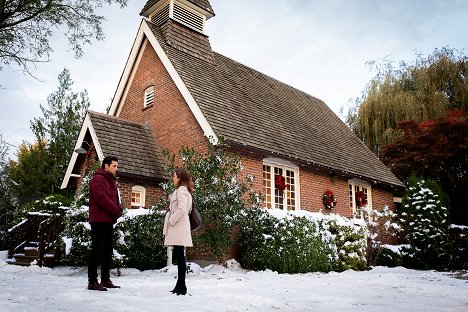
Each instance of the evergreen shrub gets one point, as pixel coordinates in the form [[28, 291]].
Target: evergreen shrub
[[424, 218], [459, 235], [300, 242], [140, 241], [76, 237], [389, 257], [351, 243]]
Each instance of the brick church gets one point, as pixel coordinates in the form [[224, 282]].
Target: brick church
[[175, 91]]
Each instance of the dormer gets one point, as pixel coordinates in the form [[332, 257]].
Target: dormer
[[191, 13]]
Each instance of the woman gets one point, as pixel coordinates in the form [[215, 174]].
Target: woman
[[177, 224]]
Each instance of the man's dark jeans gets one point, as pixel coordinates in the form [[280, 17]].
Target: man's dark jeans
[[101, 250]]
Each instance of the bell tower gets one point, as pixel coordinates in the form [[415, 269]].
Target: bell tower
[[182, 23]]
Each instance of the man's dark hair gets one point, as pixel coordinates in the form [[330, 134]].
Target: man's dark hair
[[108, 160]]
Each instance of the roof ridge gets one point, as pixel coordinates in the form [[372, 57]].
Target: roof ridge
[[119, 119]]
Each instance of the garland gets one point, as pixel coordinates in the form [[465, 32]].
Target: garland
[[328, 199]]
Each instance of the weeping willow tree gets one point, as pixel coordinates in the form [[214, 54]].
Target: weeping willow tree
[[422, 90]]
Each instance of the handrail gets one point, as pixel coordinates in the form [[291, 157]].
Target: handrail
[[31, 229], [25, 231], [48, 232]]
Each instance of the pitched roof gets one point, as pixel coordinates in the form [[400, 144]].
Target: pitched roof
[[132, 143], [204, 4], [254, 110]]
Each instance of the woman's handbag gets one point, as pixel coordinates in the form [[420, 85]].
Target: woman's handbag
[[195, 218]]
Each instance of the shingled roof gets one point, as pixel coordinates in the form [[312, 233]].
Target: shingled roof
[[256, 111], [204, 4], [132, 143]]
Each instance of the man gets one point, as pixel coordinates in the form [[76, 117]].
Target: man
[[104, 210]]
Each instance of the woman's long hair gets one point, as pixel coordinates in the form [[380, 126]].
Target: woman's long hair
[[185, 179]]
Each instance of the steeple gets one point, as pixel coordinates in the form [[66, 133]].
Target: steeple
[[182, 23]]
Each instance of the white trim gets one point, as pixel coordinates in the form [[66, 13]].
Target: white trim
[[145, 31], [142, 191], [280, 162], [360, 184], [285, 165], [87, 125]]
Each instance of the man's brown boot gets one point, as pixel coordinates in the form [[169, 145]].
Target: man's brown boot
[[96, 286], [109, 284]]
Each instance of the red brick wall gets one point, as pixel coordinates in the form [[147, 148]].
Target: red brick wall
[[152, 192], [313, 183], [169, 117]]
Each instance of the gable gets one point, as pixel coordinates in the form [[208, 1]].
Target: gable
[[132, 143], [253, 110]]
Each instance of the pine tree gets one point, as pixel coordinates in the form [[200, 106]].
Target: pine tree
[[424, 218], [59, 126]]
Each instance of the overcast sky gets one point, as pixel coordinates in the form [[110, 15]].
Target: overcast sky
[[320, 47]]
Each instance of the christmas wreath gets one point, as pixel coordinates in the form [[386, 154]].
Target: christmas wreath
[[280, 183], [328, 199], [361, 199]]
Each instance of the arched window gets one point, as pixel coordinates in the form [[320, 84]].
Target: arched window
[[138, 196], [149, 96]]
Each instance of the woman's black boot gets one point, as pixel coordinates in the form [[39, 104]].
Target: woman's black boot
[[182, 291]]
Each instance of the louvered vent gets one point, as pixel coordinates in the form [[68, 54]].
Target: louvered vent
[[188, 18], [161, 17], [149, 96]]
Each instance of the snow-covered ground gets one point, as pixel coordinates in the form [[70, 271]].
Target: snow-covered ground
[[215, 288]]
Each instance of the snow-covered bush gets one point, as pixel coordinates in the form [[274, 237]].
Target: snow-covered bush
[[424, 218], [389, 256], [140, 242], [459, 235], [76, 237], [301, 241], [286, 245], [383, 228], [50, 204], [350, 238]]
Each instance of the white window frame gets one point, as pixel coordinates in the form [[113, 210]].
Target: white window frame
[[358, 185], [138, 190], [284, 165], [149, 96]]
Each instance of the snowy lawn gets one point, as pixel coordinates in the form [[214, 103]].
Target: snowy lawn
[[215, 288]]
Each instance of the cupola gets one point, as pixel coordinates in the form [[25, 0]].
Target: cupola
[[182, 23], [191, 13]]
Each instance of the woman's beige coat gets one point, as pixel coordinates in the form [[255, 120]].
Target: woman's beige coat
[[177, 224]]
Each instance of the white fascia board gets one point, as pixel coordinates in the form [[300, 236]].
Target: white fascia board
[[124, 78], [87, 125], [145, 31]]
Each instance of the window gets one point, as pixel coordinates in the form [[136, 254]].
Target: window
[[138, 196], [273, 197], [356, 185], [149, 96]]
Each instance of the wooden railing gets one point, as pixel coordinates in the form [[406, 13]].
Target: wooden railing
[[48, 233], [25, 231], [40, 228]]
